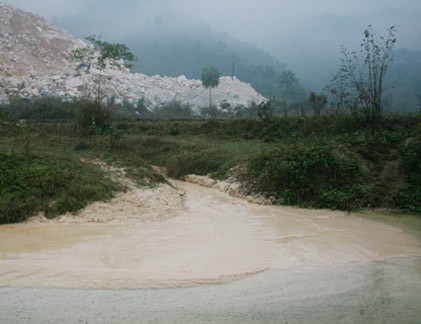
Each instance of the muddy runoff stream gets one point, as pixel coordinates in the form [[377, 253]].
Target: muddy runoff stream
[[210, 258], [210, 238]]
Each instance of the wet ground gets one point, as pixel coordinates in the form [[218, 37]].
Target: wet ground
[[236, 261], [357, 292]]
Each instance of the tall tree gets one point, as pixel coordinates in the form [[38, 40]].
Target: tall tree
[[364, 74], [210, 79]]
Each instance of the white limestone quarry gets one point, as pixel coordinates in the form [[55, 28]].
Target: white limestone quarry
[[34, 62]]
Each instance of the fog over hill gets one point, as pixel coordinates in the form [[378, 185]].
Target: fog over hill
[[303, 35], [293, 31]]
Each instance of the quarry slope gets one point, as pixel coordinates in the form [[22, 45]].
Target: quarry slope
[[34, 62]]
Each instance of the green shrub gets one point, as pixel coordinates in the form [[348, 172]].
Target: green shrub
[[155, 150], [410, 197], [173, 110], [116, 138], [92, 117], [42, 109], [314, 174], [51, 185], [411, 161], [195, 161], [81, 146]]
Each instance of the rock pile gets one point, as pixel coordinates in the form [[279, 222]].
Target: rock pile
[[34, 62]]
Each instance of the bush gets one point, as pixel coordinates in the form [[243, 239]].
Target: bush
[[410, 197], [173, 110], [53, 186], [314, 175], [92, 117], [81, 146], [411, 161], [196, 161], [42, 109]]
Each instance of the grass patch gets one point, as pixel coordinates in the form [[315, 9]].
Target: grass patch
[[326, 162], [31, 184]]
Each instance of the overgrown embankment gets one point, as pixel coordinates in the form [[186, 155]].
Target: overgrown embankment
[[326, 162]]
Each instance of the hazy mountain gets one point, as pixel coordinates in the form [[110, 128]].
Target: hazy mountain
[[304, 35], [313, 52], [166, 50]]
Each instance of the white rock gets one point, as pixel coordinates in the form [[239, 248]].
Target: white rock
[[181, 79], [47, 71], [75, 82]]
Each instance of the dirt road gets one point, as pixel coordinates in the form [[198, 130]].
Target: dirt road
[[286, 263]]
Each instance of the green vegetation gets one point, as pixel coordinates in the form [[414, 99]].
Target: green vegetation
[[53, 185], [317, 102], [410, 195], [359, 85], [349, 157], [171, 110], [111, 53], [41, 168], [327, 161], [210, 79], [102, 54], [314, 174]]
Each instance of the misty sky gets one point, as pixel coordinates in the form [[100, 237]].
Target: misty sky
[[249, 20], [294, 31]]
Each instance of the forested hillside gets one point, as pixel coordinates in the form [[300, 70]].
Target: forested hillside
[[187, 52]]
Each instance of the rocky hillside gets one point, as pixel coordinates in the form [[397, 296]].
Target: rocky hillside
[[34, 63]]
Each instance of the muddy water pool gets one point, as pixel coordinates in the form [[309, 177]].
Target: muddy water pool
[[214, 238]]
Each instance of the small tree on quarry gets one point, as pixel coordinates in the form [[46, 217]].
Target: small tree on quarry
[[210, 79], [102, 54], [92, 115]]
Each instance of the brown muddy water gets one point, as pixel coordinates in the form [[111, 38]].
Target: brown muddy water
[[271, 264]]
